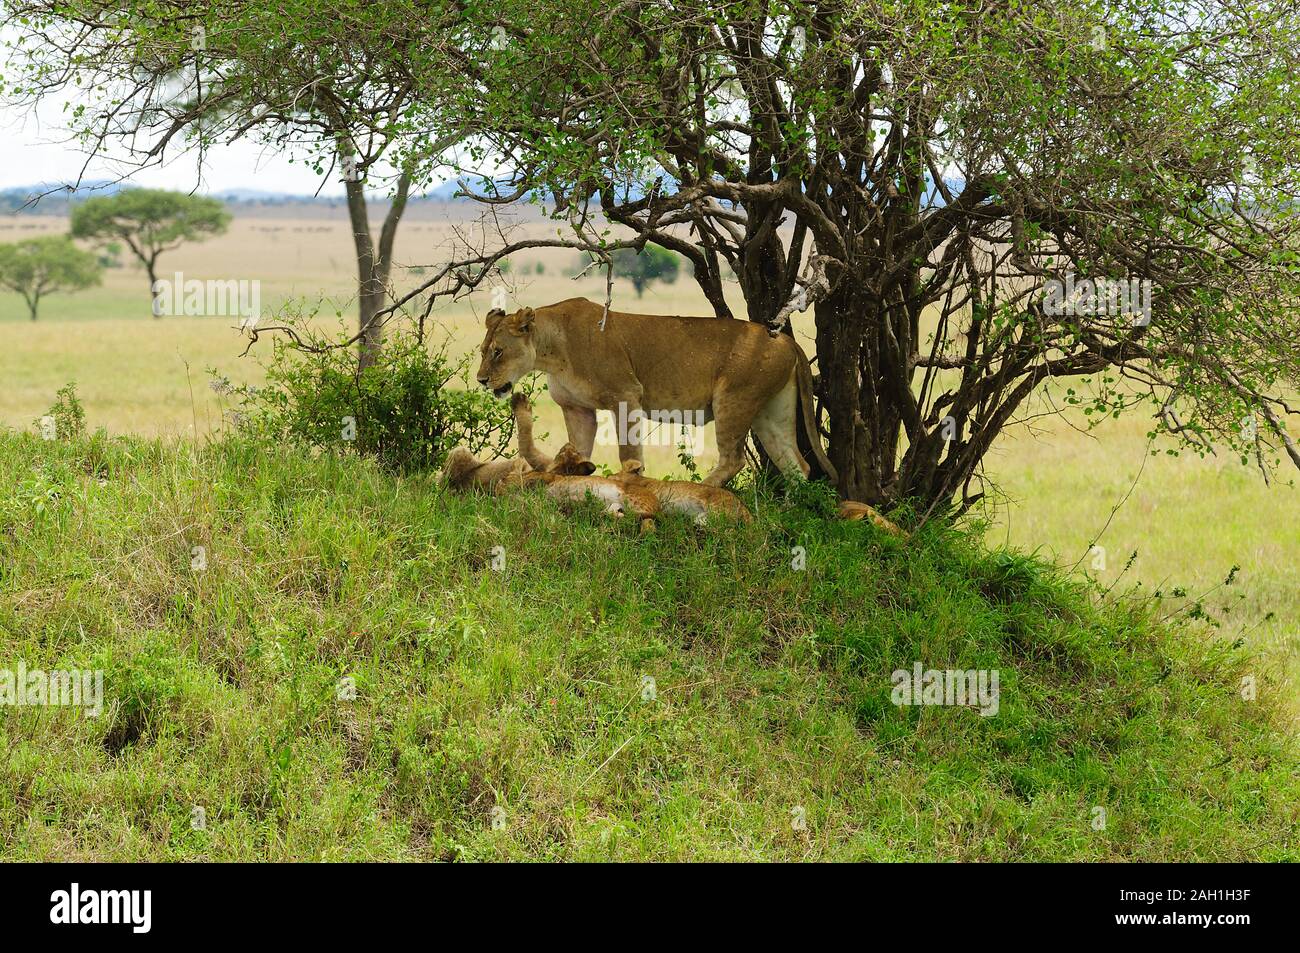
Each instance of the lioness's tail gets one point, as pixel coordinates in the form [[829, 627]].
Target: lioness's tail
[[804, 373], [523, 411]]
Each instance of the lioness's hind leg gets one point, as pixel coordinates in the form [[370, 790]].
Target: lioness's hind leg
[[775, 428]]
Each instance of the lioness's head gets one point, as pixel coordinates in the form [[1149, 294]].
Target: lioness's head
[[507, 352]]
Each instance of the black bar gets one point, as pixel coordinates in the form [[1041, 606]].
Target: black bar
[[335, 902]]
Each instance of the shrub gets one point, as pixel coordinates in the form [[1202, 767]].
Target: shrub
[[69, 416], [401, 410]]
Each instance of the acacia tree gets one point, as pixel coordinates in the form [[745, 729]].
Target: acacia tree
[[927, 177], [37, 267], [328, 80], [648, 265], [149, 222]]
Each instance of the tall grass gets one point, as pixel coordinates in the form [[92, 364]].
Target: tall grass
[[601, 695]]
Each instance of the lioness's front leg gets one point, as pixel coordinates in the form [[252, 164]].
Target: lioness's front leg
[[732, 430], [631, 429], [580, 423]]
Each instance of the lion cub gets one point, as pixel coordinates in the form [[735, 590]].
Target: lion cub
[[850, 510], [696, 500], [522, 409], [464, 472], [568, 480]]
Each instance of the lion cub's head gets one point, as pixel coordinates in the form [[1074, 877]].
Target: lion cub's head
[[631, 472], [507, 353], [568, 462], [459, 468]]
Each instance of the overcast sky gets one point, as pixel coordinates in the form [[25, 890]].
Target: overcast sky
[[33, 150]]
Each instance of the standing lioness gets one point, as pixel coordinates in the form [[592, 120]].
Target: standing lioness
[[733, 372]]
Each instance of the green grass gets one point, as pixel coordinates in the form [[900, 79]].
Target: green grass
[[522, 688], [1188, 520]]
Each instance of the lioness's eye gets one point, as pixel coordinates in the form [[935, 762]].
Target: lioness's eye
[[496, 353]]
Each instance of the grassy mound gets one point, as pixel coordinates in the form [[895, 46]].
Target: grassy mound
[[509, 713]]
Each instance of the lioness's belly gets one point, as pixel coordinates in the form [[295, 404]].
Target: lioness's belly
[[683, 412], [694, 405], [669, 365]]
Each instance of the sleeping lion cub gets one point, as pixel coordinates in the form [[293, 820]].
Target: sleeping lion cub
[[568, 480], [464, 472], [696, 500], [849, 510]]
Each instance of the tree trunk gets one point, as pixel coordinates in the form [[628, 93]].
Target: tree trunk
[[155, 306], [369, 293], [846, 385], [374, 264]]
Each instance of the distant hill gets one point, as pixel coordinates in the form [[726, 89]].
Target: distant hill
[[52, 198], [56, 199]]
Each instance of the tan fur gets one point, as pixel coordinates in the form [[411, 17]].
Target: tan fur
[[523, 413], [696, 500], [693, 499], [733, 371], [568, 481], [567, 463], [618, 500], [850, 510], [463, 472]]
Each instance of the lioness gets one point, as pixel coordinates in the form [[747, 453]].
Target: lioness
[[732, 371]]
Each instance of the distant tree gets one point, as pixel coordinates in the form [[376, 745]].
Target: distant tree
[[37, 267], [149, 222], [108, 255], [285, 75], [652, 263]]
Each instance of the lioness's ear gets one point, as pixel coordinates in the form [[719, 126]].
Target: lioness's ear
[[521, 322], [633, 466], [496, 314]]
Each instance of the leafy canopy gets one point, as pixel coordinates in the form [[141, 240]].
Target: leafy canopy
[[36, 267], [149, 221]]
